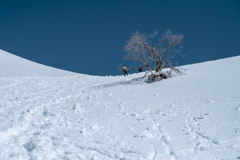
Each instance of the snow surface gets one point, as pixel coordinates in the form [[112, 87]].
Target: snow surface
[[80, 117], [11, 65]]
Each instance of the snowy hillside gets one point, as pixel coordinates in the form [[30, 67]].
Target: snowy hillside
[[191, 117], [11, 65]]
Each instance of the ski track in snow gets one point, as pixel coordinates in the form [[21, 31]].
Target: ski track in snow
[[121, 118], [37, 120], [51, 115]]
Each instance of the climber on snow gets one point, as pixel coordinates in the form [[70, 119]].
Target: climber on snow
[[125, 71], [140, 69]]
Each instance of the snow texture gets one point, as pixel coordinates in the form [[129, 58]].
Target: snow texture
[[46, 113]]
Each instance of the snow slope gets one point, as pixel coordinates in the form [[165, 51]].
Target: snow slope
[[79, 117], [11, 65]]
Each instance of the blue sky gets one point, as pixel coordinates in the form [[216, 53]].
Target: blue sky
[[88, 36]]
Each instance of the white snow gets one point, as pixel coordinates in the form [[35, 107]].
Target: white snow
[[51, 114], [11, 65]]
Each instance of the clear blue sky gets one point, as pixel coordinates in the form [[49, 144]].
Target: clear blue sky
[[87, 36]]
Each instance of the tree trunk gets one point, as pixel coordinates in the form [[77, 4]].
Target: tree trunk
[[158, 65]]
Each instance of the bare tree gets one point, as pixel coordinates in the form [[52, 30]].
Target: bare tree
[[153, 50]]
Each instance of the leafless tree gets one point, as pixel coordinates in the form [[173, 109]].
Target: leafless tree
[[154, 51]]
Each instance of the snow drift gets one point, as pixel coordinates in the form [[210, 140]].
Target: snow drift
[[193, 116], [11, 65]]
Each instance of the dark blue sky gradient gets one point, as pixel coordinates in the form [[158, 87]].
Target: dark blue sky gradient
[[87, 36]]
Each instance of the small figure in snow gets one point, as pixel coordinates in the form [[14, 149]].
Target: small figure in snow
[[125, 71], [140, 69]]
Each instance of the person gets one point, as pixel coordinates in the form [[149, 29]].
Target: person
[[125, 71], [140, 69]]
